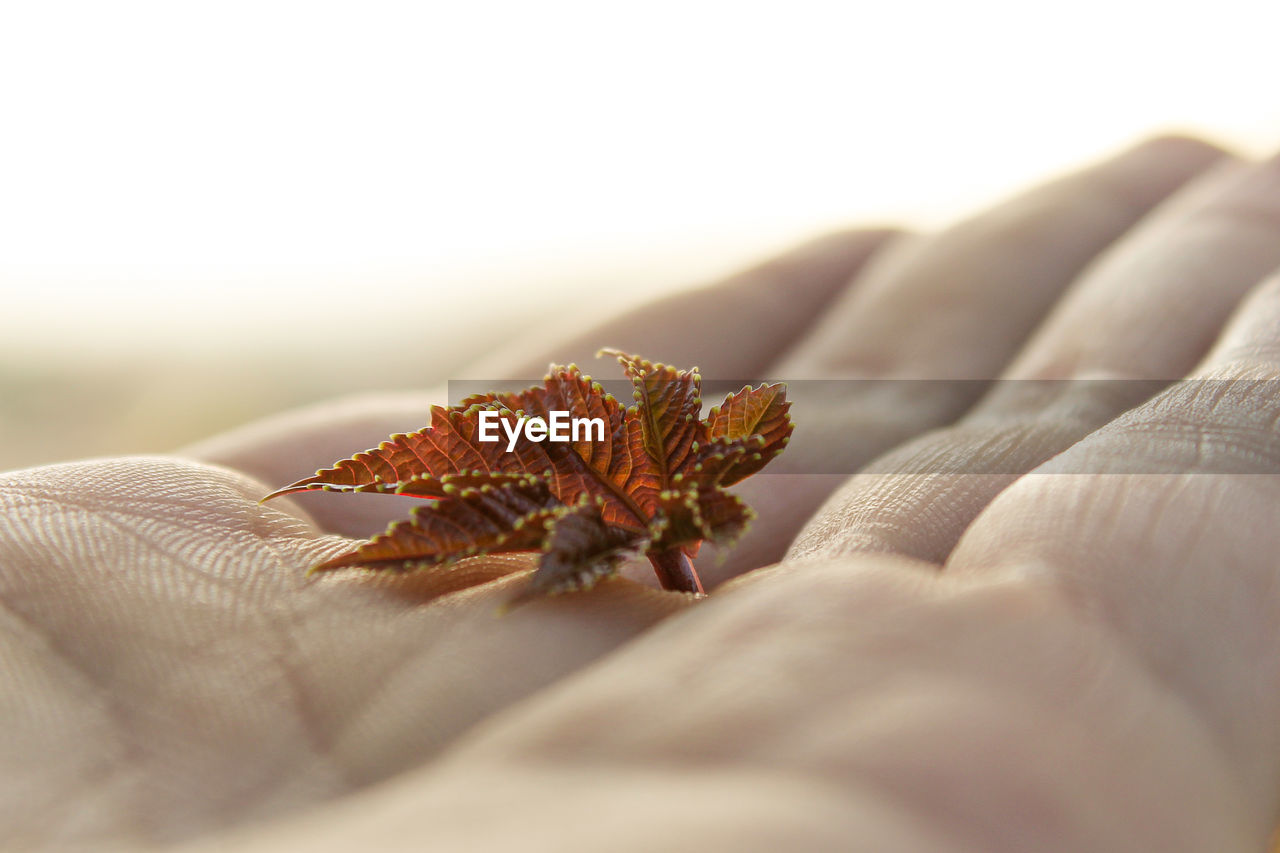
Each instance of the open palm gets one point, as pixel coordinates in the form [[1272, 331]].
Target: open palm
[[1096, 668]]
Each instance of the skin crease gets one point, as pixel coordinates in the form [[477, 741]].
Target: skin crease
[[1095, 669]]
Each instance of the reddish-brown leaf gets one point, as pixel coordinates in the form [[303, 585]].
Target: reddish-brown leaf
[[702, 513], [414, 464], [654, 481], [669, 411], [448, 446], [580, 549], [759, 418], [505, 513]]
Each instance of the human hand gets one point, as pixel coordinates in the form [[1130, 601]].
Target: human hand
[[847, 699]]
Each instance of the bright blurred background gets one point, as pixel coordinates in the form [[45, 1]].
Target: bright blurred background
[[213, 211]]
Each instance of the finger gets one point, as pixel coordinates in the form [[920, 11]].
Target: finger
[[1174, 550], [731, 329], [953, 306], [1146, 309], [958, 304], [1253, 336], [1226, 227], [169, 668]]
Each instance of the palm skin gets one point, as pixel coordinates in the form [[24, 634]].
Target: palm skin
[[941, 661]]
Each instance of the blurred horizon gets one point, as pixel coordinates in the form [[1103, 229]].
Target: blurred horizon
[[176, 173]]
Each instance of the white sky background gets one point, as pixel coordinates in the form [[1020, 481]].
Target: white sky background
[[175, 176]]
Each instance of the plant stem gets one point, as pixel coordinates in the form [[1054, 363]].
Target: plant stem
[[675, 570]]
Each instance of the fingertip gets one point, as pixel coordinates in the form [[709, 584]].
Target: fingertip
[[1178, 146], [855, 237], [1250, 337]]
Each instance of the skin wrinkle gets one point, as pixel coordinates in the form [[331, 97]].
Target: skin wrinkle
[[388, 683], [362, 710], [155, 509], [135, 537], [324, 739], [316, 734], [1187, 414], [127, 751]]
